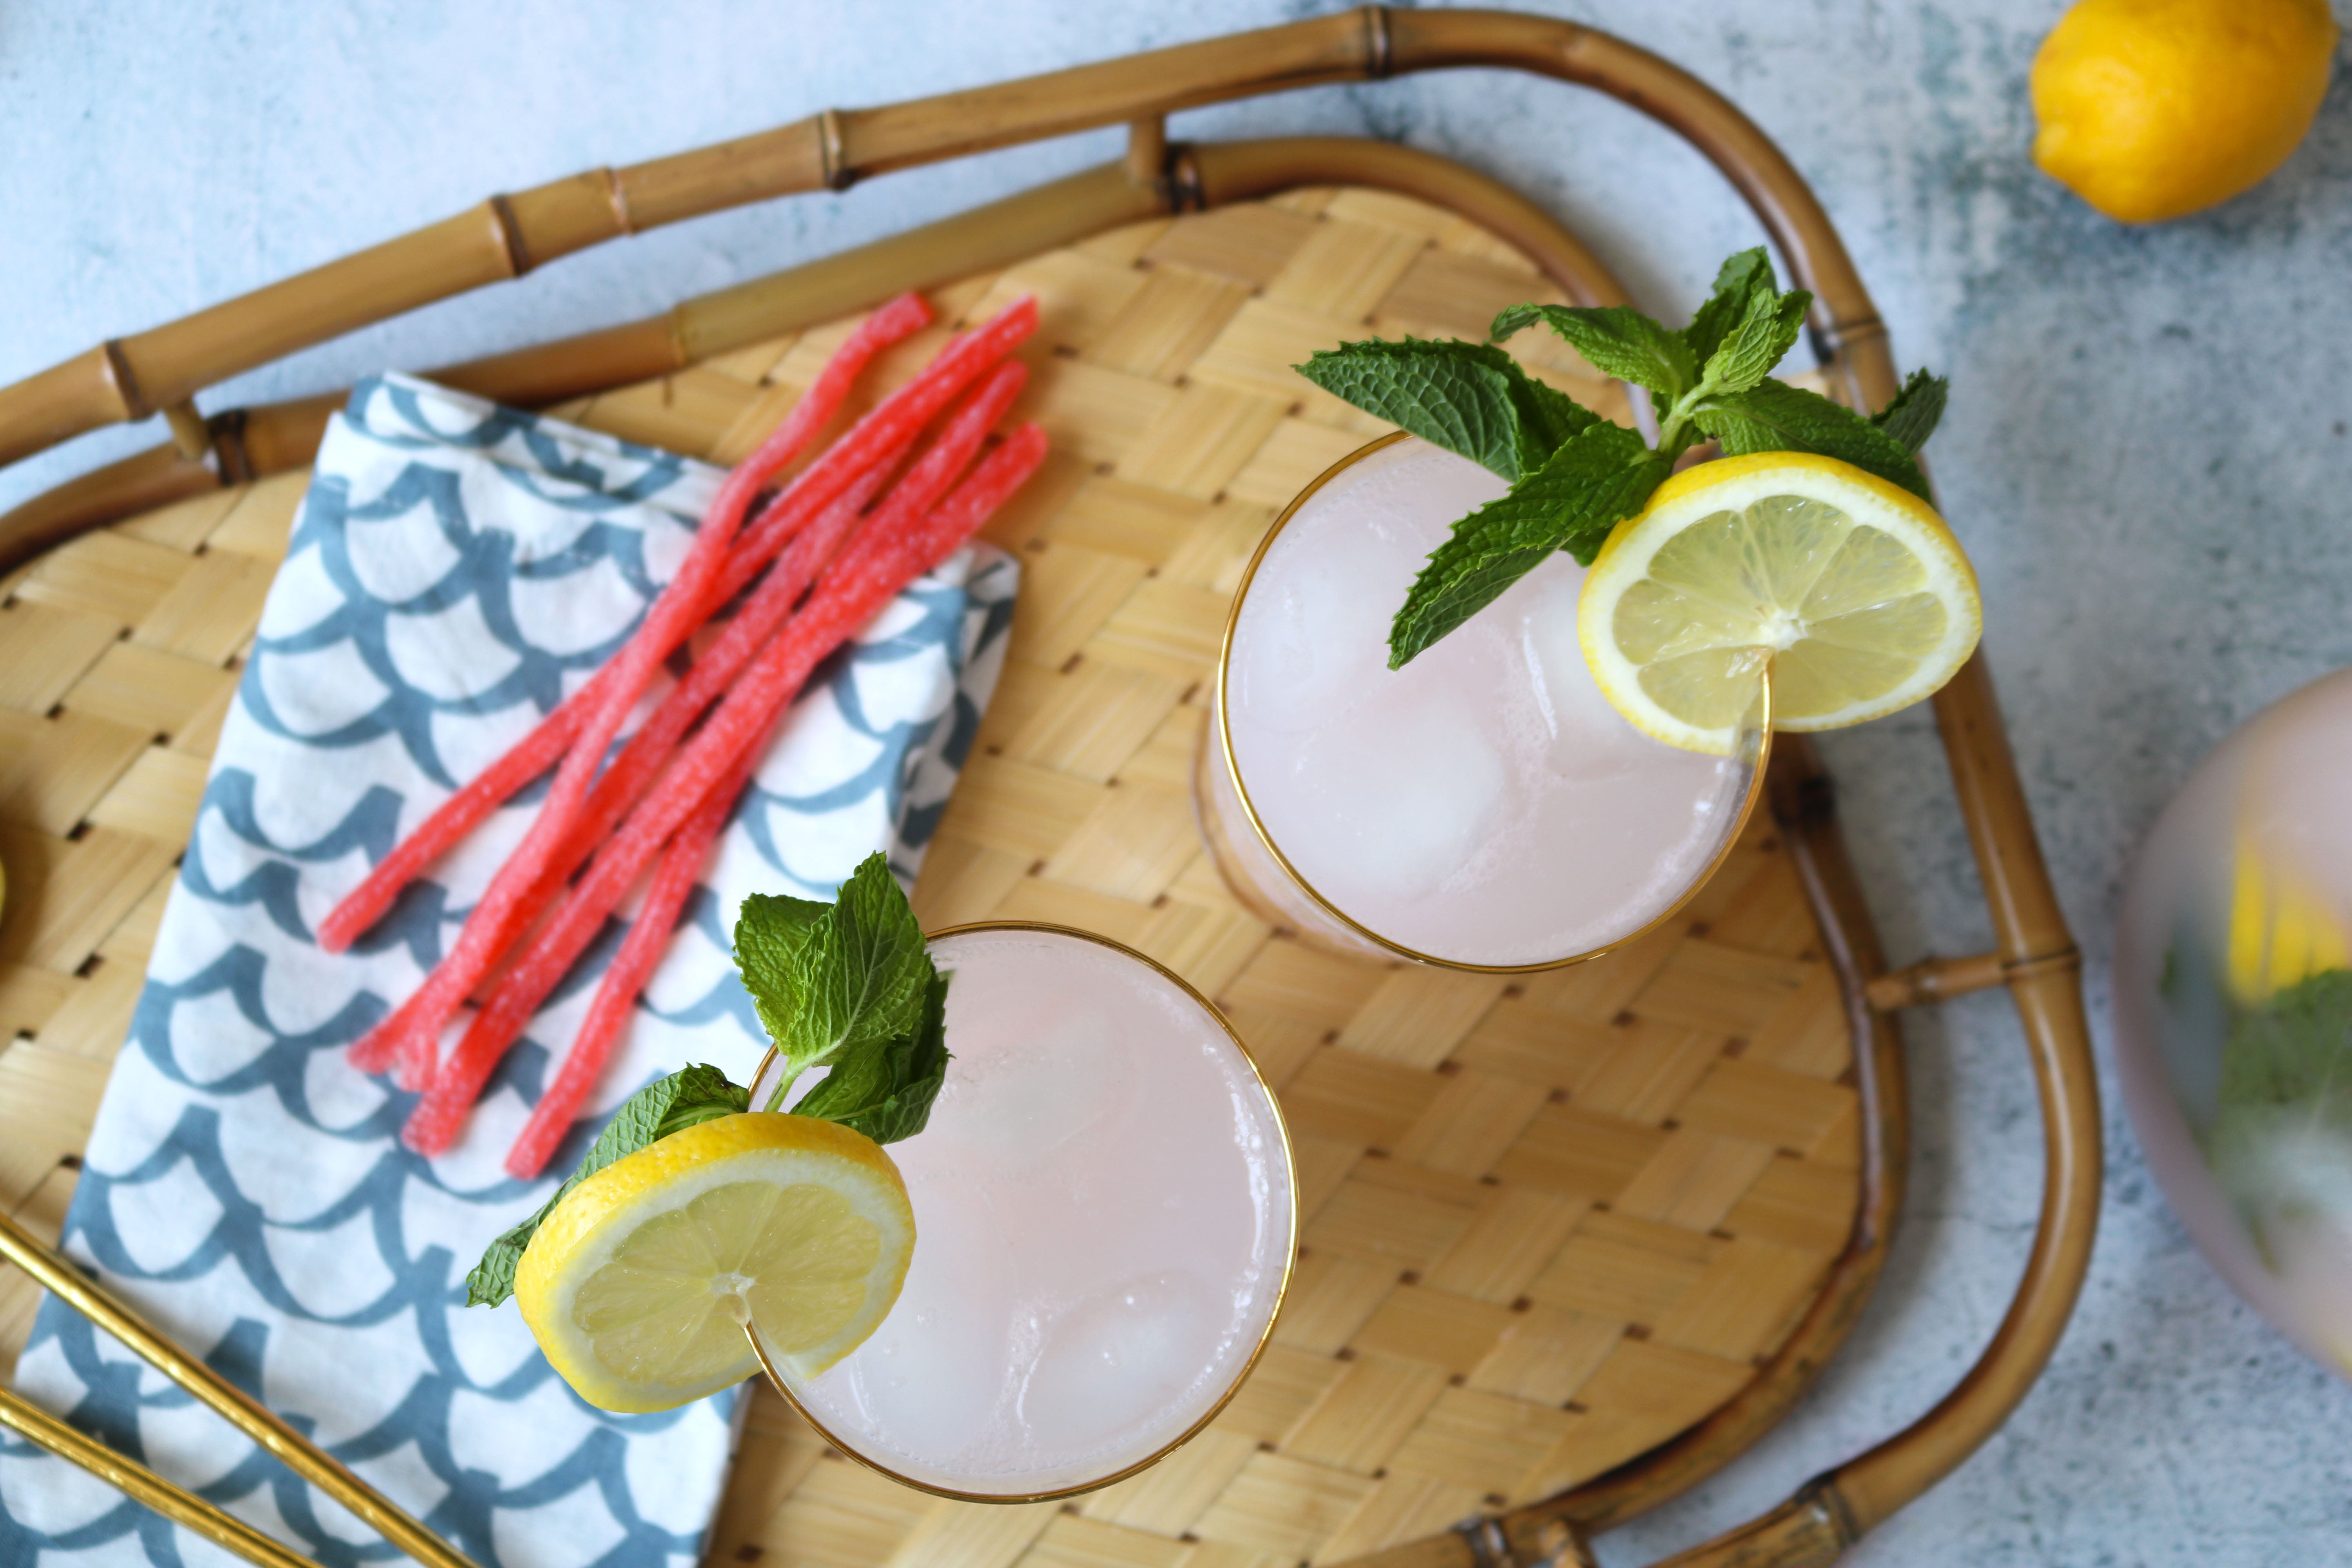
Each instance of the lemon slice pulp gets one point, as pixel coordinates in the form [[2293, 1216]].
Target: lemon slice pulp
[[1850, 589], [639, 1286]]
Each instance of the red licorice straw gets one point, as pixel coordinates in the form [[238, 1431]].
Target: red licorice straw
[[787, 582], [868, 577], [912, 497], [545, 745], [652, 745], [799, 562], [631, 970], [456, 818], [493, 924], [412, 1035]]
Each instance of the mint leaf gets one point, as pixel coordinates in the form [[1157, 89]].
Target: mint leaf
[[2284, 1109], [875, 985], [685, 1099], [1548, 417], [1592, 483], [1773, 416], [1912, 417], [1758, 342], [772, 935], [827, 978], [1742, 276], [1617, 339], [886, 1092], [1470, 399], [2294, 1051]]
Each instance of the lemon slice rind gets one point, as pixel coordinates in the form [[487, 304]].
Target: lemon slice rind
[[634, 1242], [1879, 619]]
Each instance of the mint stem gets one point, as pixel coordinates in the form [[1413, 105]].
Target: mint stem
[[1676, 432], [1670, 429]]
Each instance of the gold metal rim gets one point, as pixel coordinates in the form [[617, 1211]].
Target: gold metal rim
[[1249, 808], [1266, 1335]]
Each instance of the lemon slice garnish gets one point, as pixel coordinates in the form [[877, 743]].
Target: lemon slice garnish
[[2281, 929], [639, 1284], [1851, 589]]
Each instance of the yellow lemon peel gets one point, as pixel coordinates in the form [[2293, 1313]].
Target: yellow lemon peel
[[639, 1286], [2150, 110]]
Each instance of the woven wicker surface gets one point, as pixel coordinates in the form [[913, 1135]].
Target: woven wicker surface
[[1545, 1224]]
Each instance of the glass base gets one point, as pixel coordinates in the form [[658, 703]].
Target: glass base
[[1250, 869]]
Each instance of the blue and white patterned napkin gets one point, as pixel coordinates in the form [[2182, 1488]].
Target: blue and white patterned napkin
[[456, 568]]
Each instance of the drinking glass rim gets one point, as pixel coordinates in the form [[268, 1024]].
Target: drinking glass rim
[[1281, 1293], [1224, 710]]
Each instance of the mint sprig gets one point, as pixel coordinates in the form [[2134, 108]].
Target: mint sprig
[[2293, 1052], [2285, 1090], [1574, 476], [833, 981], [850, 987], [886, 1093], [847, 986]]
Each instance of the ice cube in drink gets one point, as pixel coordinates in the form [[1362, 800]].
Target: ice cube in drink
[[1104, 1228], [1484, 806]]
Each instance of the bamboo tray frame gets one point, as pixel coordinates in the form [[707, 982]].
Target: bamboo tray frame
[[2034, 958]]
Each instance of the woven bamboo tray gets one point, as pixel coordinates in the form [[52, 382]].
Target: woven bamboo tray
[[1545, 1226], [1568, 1243]]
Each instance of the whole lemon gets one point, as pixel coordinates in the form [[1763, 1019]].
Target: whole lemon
[[2153, 109]]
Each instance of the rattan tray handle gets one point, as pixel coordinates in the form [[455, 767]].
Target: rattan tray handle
[[162, 369]]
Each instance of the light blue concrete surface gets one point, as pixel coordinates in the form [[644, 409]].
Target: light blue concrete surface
[[2147, 456]]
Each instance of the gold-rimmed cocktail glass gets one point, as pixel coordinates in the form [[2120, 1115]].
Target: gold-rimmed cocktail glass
[[1267, 881], [1198, 1407]]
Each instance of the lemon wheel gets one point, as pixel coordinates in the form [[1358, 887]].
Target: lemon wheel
[[639, 1286], [1850, 589]]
